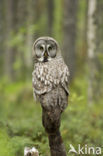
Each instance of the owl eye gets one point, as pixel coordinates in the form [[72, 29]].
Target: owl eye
[[50, 48], [41, 48]]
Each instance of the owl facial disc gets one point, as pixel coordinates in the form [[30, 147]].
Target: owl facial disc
[[45, 49]]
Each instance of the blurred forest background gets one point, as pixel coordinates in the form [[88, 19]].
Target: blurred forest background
[[78, 26]]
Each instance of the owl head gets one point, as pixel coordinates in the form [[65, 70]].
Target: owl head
[[45, 49]]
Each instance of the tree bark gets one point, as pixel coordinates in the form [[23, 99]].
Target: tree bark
[[95, 50], [91, 40], [29, 37], [50, 6], [69, 41], [10, 50], [51, 123], [2, 35], [56, 144], [99, 51]]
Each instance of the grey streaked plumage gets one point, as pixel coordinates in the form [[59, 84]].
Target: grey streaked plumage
[[50, 77]]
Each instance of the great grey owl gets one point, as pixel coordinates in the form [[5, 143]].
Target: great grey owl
[[50, 75]]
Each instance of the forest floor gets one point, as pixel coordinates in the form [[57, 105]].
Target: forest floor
[[20, 119]]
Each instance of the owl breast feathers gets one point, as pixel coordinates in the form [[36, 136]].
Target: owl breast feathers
[[47, 76]]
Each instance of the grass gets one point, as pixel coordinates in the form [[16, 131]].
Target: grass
[[20, 119]]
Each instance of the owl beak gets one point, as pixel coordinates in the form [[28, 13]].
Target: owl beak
[[45, 54]]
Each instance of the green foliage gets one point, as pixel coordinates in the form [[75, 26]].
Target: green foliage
[[21, 125], [20, 116], [6, 146]]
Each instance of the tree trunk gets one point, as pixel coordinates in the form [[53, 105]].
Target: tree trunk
[[99, 51], [69, 41], [50, 6], [2, 35], [95, 50], [56, 144], [51, 122], [10, 50], [91, 39], [29, 37], [58, 20]]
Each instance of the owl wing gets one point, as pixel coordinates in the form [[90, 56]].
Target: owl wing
[[64, 77]]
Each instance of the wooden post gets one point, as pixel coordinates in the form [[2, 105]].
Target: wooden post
[[51, 122]]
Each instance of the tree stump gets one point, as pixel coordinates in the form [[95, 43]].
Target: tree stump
[[51, 123]]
